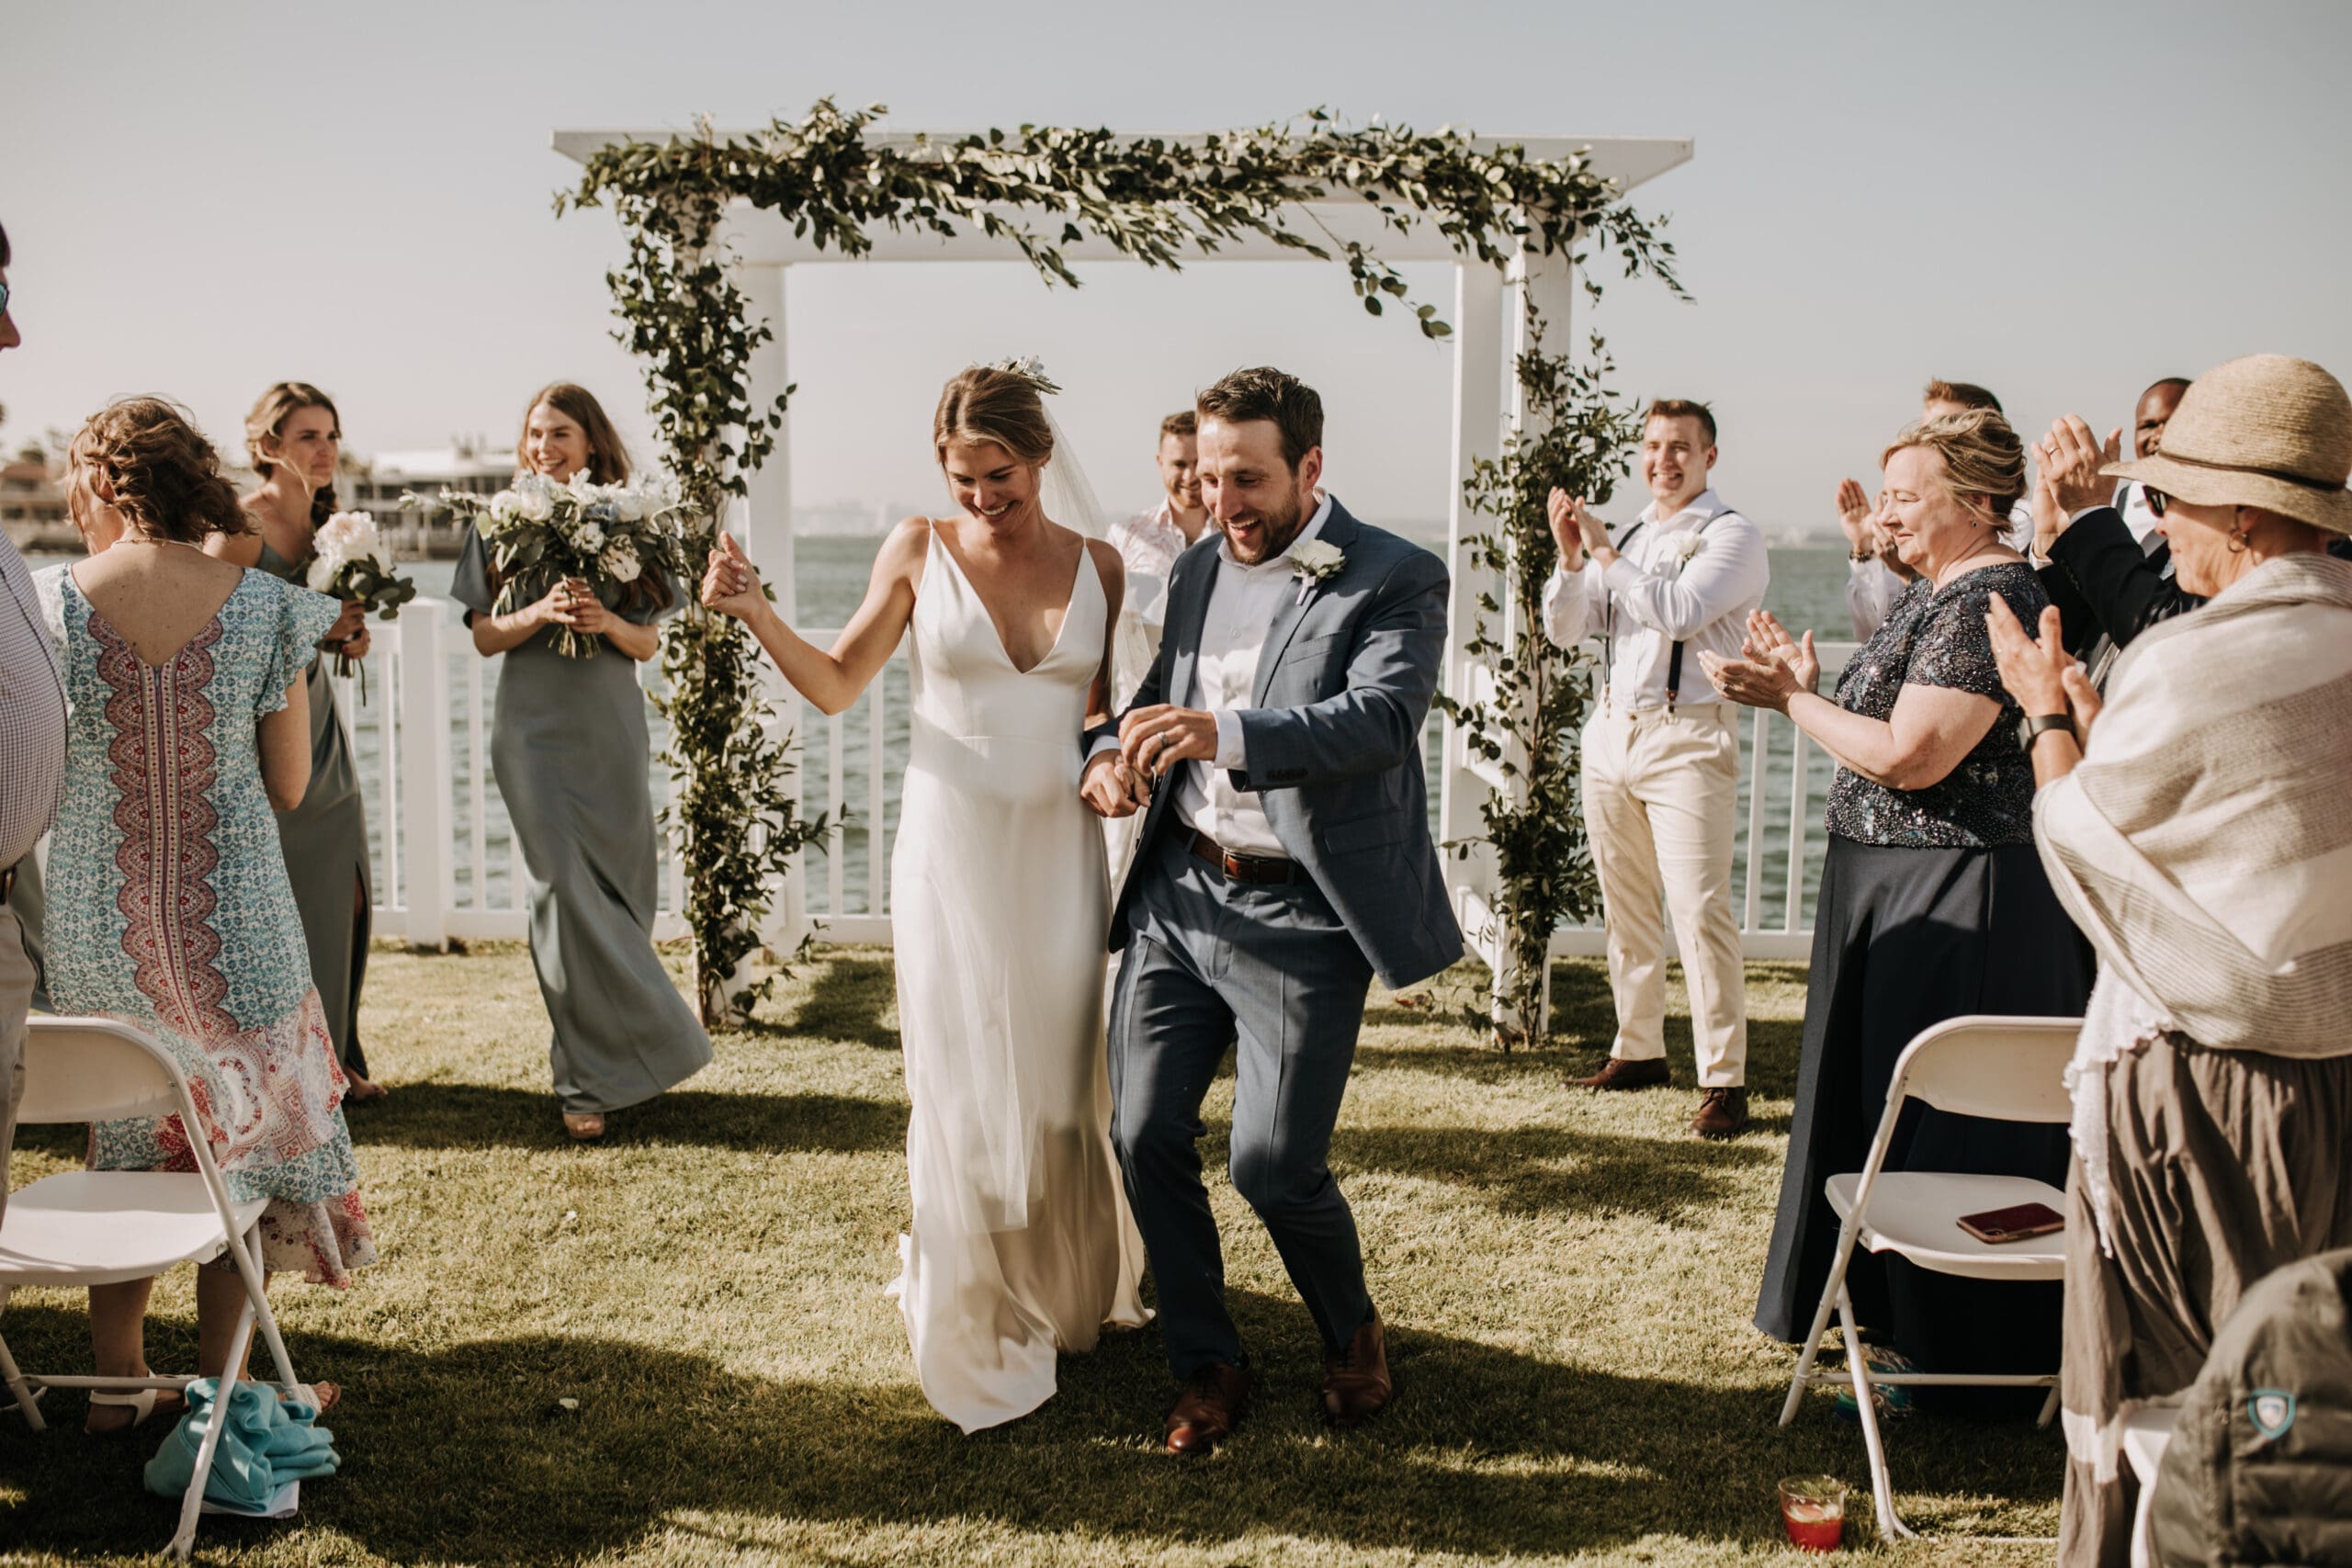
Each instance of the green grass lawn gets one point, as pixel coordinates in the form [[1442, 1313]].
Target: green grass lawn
[[1567, 1278]]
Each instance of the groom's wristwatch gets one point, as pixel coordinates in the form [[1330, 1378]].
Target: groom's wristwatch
[[2034, 726]]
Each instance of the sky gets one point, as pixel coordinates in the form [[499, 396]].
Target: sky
[[2062, 202]]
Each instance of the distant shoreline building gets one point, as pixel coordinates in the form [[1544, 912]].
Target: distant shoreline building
[[431, 532]]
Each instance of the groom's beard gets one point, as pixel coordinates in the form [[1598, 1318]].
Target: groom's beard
[[1272, 533]]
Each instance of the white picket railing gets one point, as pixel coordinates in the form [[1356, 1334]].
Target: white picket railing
[[447, 865]]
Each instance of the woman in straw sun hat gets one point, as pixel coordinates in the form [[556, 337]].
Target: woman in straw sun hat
[[2195, 827]]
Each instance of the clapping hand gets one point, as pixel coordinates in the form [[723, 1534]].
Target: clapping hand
[[1772, 669], [1566, 515], [1854, 519], [2066, 475], [731, 585], [2039, 673]]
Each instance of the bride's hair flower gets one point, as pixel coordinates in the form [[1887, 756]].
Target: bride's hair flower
[[1030, 368]]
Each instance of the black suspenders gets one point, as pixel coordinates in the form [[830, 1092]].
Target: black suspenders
[[1609, 632]]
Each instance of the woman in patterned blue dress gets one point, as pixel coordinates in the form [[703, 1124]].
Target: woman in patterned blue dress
[[169, 907]]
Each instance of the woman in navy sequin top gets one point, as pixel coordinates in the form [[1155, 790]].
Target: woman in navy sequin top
[[1933, 901]]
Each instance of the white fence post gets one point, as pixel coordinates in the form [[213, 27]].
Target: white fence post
[[425, 765]]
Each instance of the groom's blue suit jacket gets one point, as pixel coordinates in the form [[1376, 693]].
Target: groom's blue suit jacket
[[1333, 739]]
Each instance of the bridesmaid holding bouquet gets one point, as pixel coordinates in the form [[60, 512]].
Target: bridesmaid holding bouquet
[[294, 439], [569, 747]]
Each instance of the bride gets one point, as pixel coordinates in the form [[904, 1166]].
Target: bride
[[1022, 1246]]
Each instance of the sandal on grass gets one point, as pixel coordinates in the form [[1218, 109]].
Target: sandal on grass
[[144, 1403]]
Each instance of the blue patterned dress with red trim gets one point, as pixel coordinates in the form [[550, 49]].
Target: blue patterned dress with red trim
[[169, 907]]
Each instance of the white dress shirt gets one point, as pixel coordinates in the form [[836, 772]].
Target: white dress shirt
[[1872, 589], [1148, 543], [1659, 600], [1243, 603]]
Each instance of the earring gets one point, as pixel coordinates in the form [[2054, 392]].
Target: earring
[[2238, 542]]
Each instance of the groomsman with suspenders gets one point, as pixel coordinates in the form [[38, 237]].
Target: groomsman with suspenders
[[1661, 751]]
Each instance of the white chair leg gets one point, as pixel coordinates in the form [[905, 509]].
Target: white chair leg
[[257, 1297], [16, 1380], [1890, 1524], [1805, 1359], [2049, 1407], [192, 1505], [1833, 1289]]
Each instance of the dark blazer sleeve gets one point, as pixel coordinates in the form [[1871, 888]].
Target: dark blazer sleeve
[[2124, 592], [1376, 724], [2081, 628]]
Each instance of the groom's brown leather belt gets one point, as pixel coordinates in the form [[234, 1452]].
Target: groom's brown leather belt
[[1243, 868]]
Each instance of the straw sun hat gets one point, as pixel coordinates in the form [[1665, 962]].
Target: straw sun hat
[[2264, 431]]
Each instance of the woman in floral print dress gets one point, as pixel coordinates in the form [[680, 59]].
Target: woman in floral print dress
[[169, 906]]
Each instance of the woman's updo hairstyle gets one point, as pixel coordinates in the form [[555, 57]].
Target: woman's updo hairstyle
[[1982, 456], [988, 403], [163, 474], [267, 421]]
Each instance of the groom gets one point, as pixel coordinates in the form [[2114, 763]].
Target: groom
[[1284, 860]]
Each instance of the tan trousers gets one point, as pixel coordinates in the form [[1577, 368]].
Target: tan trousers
[[15, 998], [1660, 794]]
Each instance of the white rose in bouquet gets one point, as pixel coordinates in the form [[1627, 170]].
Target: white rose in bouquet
[[534, 498], [505, 506], [345, 537], [631, 506], [587, 535]]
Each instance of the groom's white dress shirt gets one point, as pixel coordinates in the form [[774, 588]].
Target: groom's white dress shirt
[[1243, 603], [1658, 600]]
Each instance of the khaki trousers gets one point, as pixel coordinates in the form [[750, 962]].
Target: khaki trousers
[[15, 998], [1661, 791]]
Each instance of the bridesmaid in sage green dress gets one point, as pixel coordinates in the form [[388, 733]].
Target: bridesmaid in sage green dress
[[293, 437], [569, 747]]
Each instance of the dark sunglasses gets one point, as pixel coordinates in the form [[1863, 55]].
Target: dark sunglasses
[[2157, 499]]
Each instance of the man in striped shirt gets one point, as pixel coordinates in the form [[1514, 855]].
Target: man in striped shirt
[[32, 778]]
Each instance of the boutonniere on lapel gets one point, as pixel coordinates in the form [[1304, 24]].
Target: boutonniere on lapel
[[1679, 546], [1313, 561]]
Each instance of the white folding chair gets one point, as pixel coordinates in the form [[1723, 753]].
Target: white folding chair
[[2010, 1069], [103, 1227]]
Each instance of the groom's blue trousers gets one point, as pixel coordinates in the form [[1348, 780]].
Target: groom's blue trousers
[[1272, 971]]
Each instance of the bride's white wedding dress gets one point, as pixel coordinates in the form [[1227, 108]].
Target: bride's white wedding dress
[[1022, 1246]]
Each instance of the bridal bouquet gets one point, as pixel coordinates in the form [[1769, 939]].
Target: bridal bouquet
[[349, 561], [539, 533]]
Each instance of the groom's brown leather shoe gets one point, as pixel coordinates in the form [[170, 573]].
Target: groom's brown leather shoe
[[1620, 1073], [1356, 1384], [1209, 1408]]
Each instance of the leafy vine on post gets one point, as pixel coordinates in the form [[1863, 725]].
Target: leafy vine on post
[[1155, 201], [1574, 437]]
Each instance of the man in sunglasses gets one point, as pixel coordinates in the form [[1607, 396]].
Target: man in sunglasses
[[2110, 581], [32, 778]]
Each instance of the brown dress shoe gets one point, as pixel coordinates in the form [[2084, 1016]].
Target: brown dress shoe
[[1210, 1407], [1619, 1073], [1722, 1113], [1356, 1384]]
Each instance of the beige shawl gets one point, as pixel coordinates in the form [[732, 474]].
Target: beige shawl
[[2204, 843]]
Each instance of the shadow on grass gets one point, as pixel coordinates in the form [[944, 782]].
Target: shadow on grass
[[465, 1454], [1542, 1170], [474, 1116], [848, 1002]]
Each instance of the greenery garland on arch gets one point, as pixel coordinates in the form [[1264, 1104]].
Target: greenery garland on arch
[[1157, 201]]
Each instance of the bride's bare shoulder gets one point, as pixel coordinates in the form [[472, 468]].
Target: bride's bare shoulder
[[1108, 561], [903, 550]]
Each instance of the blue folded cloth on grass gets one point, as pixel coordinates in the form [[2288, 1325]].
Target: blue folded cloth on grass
[[266, 1443]]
